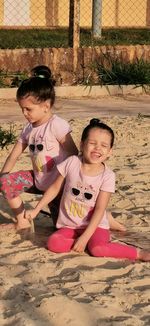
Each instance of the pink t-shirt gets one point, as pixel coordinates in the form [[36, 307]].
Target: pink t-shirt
[[45, 149], [80, 194]]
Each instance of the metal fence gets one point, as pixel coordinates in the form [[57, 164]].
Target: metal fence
[[91, 15]]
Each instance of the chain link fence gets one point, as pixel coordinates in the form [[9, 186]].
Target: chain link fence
[[60, 31], [87, 16], [34, 14]]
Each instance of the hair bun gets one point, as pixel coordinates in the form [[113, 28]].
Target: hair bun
[[41, 71], [94, 121]]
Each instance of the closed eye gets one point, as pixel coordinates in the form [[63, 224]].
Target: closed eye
[[105, 145], [92, 143], [26, 109]]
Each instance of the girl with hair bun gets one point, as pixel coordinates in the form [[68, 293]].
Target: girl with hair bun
[[48, 138], [82, 220]]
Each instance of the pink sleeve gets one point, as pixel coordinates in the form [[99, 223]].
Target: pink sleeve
[[24, 136], [60, 128], [108, 183], [64, 166]]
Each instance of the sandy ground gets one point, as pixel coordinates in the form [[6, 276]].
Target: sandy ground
[[41, 288]]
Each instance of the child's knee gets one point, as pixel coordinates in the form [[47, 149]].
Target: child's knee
[[58, 243], [92, 251], [54, 243], [96, 251], [8, 187]]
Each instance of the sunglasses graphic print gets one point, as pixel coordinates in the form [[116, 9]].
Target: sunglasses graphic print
[[38, 147], [76, 192], [44, 164], [78, 207]]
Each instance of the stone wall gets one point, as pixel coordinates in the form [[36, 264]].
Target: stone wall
[[68, 66]]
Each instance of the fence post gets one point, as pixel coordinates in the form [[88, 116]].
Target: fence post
[[97, 18], [74, 30], [148, 13]]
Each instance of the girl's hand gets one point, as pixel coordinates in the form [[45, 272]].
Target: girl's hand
[[80, 244], [30, 214]]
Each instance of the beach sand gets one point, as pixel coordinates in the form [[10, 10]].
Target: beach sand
[[41, 288]]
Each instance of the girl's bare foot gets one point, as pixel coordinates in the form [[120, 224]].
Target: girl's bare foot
[[115, 225], [143, 255], [22, 224], [7, 226], [118, 227]]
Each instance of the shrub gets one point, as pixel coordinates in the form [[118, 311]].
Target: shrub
[[7, 137], [11, 79], [114, 71]]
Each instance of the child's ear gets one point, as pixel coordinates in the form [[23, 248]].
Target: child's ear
[[47, 104]]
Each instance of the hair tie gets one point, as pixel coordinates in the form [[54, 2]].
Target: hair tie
[[52, 81], [40, 76]]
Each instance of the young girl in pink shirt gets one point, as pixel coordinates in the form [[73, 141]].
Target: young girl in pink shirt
[[82, 221], [48, 138]]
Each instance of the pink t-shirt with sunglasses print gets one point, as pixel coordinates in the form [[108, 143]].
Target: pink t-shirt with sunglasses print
[[45, 149], [80, 194]]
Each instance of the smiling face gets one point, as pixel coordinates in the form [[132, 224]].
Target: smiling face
[[34, 111], [97, 146]]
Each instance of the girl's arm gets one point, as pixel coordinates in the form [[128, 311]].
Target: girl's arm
[[100, 207], [13, 156], [69, 145], [48, 196]]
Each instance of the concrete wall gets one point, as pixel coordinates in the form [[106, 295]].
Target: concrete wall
[[61, 60]]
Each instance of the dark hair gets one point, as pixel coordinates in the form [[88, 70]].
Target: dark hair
[[39, 86], [41, 71], [96, 123]]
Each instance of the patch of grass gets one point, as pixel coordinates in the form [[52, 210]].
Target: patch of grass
[[43, 38], [120, 36], [33, 38], [114, 71], [7, 137]]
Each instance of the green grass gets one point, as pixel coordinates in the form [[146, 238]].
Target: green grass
[[35, 38], [124, 36], [40, 38]]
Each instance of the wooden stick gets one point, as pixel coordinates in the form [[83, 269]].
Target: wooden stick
[[32, 226]]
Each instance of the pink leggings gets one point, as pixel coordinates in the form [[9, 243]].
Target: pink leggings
[[99, 244]]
